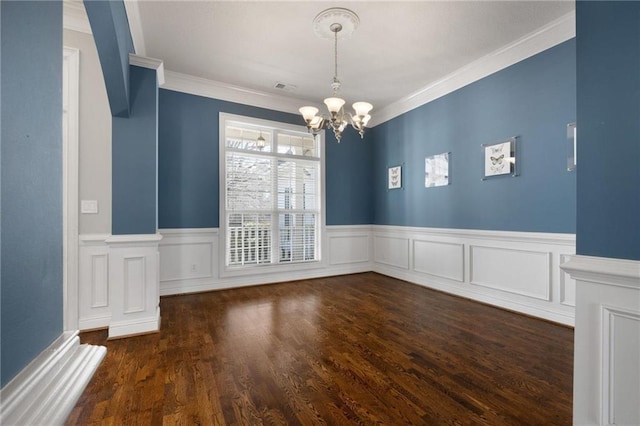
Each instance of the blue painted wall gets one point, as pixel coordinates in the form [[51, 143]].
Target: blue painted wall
[[608, 78], [188, 195], [135, 160], [31, 184], [349, 168], [110, 28], [534, 100]]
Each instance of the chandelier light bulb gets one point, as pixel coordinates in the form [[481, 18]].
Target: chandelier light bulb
[[362, 108], [334, 104], [308, 112], [316, 122]]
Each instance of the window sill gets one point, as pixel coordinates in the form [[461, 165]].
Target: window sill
[[230, 271]]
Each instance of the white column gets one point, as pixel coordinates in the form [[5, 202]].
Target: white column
[[606, 383]]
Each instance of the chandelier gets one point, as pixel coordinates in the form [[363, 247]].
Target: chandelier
[[331, 23]]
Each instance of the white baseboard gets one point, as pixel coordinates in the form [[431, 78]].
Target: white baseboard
[[127, 328], [92, 323], [45, 392]]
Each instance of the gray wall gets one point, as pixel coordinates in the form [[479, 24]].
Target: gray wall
[[94, 135]]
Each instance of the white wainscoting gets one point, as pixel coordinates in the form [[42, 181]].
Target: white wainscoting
[[189, 260], [119, 283], [93, 286], [606, 382], [514, 270]]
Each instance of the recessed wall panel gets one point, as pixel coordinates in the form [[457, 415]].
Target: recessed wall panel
[[522, 272], [186, 261], [621, 369], [349, 249], [437, 258], [134, 284], [99, 280], [392, 251]]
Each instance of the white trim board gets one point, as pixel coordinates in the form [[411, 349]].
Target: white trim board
[[46, 390], [70, 184], [150, 63], [74, 16], [227, 92]]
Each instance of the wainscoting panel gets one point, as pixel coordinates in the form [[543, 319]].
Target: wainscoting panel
[[189, 260], [445, 260], [99, 282], [345, 249], [93, 282], [392, 251], [621, 366], [134, 284], [515, 271]]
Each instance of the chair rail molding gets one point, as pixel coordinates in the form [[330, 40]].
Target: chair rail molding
[[606, 383]]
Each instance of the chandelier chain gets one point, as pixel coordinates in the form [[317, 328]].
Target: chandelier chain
[[335, 57]]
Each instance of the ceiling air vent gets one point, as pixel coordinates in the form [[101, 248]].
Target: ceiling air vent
[[285, 87]]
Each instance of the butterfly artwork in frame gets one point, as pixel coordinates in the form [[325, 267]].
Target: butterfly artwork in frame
[[395, 177], [499, 158]]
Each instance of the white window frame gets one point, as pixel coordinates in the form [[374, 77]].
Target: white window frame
[[230, 271]]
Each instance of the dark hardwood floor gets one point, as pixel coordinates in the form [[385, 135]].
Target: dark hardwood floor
[[358, 349]]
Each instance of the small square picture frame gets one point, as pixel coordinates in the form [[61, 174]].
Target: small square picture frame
[[395, 177], [499, 159], [436, 170]]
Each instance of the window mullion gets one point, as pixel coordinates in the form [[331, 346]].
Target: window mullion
[[275, 216]]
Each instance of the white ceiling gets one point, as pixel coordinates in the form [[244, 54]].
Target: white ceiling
[[399, 48]]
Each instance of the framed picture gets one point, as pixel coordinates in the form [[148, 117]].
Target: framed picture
[[395, 177], [436, 170], [572, 146], [499, 158]]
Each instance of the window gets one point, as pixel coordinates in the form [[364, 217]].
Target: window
[[271, 210]]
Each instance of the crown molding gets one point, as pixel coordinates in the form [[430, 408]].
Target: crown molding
[[151, 63], [552, 34], [135, 26], [74, 17], [227, 92]]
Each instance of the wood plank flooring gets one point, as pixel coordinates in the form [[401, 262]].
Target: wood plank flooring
[[359, 349]]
